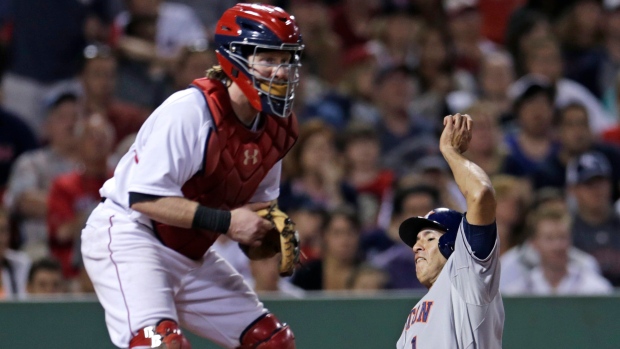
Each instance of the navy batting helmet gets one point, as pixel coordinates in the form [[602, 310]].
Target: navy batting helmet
[[442, 219]]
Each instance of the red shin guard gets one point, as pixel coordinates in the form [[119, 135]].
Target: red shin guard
[[267, 333], [166, 334]]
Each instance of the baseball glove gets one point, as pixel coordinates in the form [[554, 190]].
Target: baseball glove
[[282, 238]]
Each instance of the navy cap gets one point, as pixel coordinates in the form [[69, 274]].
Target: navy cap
[[586, 167]]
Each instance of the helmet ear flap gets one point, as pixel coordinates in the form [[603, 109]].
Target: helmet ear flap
[[446, 243]]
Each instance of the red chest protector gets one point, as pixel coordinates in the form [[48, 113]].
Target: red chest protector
[[236, 161]]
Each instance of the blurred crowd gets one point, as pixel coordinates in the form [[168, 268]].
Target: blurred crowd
[[541, 80]]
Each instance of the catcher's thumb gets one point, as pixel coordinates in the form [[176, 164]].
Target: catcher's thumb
[[267, 224]]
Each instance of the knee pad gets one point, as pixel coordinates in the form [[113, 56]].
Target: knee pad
[[267, 332], [166, 335]]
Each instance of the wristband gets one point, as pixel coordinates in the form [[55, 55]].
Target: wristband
[[211, 219]]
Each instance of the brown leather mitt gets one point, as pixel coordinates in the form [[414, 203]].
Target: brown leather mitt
[[282, 238]]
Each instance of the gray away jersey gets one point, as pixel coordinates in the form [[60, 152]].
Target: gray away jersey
[[463, 309]]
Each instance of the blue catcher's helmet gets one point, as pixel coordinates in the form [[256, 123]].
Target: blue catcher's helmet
[[442, 219], [246, 29]]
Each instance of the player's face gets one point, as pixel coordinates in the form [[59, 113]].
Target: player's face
[[428, 260], [271, 64]]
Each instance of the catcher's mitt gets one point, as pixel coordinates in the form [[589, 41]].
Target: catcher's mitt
[[282, 238]]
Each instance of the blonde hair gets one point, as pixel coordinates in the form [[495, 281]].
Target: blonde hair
[[217, 73], [546, 213]]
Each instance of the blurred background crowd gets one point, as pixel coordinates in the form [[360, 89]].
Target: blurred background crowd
[[541, 80]]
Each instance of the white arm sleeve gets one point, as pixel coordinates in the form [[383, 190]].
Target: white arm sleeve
[[170, 146], [269, 188]]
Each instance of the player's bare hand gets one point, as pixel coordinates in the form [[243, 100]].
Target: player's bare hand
[[456, 134], [247, 227]]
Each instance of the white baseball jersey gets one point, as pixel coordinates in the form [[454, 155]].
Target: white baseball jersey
[[137, 279], [463, 309], [169, 150]]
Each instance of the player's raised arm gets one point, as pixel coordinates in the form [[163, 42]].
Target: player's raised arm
[[473, 182]]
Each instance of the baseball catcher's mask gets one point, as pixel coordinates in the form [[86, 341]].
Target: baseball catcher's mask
[[248, 29], [442, 219]]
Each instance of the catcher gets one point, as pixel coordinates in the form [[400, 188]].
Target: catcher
[[206, 162]]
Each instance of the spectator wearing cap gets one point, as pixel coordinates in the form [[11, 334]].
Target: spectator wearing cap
[[596, 226], [16, 137], [46, 41], [532, 142], [575, 138], [543, 62], [98, 79], [34, 171]]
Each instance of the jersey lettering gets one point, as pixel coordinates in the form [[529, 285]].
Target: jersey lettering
[[425, 310], [419, 314], [413, 342]]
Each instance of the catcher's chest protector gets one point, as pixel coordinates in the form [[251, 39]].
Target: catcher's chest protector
[[236, 161]]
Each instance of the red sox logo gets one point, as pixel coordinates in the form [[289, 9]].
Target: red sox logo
[[251, 158]]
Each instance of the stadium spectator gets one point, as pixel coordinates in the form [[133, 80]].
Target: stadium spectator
[[543, 62], [513, 196], [532, 142], [313, 170], [486, 148], [98, 79], [519, 260], [368, 280], [341, 236], [176, 26], [14, 265], [265, 279], [363, 171], [191, 63], [34, 171], [46, 42], [72, 196], [45, 278], [575, 138], [309, 220], [465, 27], [525, 26], [596, 226], [556, 273], [16, 137], [580, 32]]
